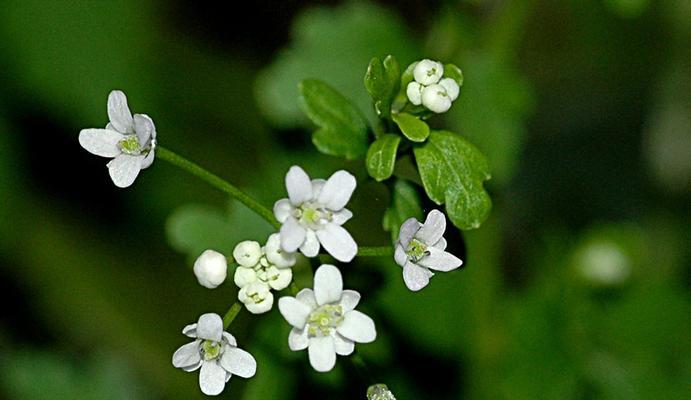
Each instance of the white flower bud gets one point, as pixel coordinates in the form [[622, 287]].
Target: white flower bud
[[276, 255], [451, 87], [278, 279], [257, 297], [247, 253], [434, 97], [244, 276], [427, 72], [211, 268], [414, 93]]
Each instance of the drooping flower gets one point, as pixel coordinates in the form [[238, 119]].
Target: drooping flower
[[129, 140], [215, 353], [211, 269], [314, 212], [430, 89], [325, 321], [420, 247]]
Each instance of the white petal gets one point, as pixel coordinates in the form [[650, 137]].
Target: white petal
[[294, 311], [322, 354], [408, 229], [317, 185], [124, 169], [282, 279], [282, 210], [190, 330], [440, 260], [414, 93], [101, 142], [298, 185], [297, 339], [275, 254], [337, 190], [427, 72], [144, 127], [230, 339], [349, 300], [400, 256], [328, 284], [310, 248], [343, 346], [238, 362], [212, 378], [441, 244], [306, 296], [292, 235], [119, 113], [263, 306], [416, 277], [451, 87], [433, 228], [149, 159], [341, 217], [244, 276], [358, 327], [434, 97], [187, 355], [337, 242], [193, 367], [210, 326], [247, 253]]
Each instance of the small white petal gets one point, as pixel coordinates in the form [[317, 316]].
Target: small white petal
[[247, 253], [279, 279], [238, 362], [310, 248], [210, 327], [244, 276], [427, 72], [101, 142], [211, 268], [149, 159], [433, 228], [341, 217], [416, 277], [297, 339], [193, 367], [262, 306], [349, 300], [187, 355], [212, 378], [408, 229], [441, 244], [306, 296], [358, 327], [317, 185], [294, 311], [257, 297], [322, 354], [190, 330], [230, 339], [337, 242], [276, 255], [282, 210], [434, 97], [414, 93], [337, 190], [451, 87], [440, 260], [124, 169], [292, 235], [299, 185], [119, 113], [328, 284], [400, 256], [343, 346], [144, 128]]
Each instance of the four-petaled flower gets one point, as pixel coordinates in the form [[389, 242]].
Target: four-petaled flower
[[314, 212], [215, 352], [324, 320], [129, 141], [420, 247]]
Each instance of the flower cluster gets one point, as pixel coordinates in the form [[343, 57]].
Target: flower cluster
[[261, 269], [430, 88]]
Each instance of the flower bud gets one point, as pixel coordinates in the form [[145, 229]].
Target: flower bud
[[257, 297], [278, 279], [276, 255], [451, 87], [211, 268], [434, 97], [244, 276], [427, 72], [247, 253], [414, 93]]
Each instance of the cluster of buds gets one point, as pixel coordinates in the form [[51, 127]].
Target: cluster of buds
[[430, 88]]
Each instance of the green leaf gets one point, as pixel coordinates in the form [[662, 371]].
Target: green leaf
[[453, 172], [453, 72], [382, 80], [343, 131], [412, 127], [405, 203], [381, 156]]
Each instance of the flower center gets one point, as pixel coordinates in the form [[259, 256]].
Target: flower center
[[431, 71], [313, 215], [416, 250], [130, 145], [324, 320], [210, 349]]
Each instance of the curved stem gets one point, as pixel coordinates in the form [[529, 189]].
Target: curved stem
[[218, 183], [382, 251], [231, 314]]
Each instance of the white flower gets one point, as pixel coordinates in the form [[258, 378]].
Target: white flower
[[324, 320], [435, 98], [421, 247], [129, 141], [211, 268], [215, 352], [427, 72], [414, 93], [247, 253], [452, 88], [256, 297], [314, 212]]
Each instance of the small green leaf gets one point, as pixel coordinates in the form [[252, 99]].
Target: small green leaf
[[382, 82], [381, 156], [453, 172], [375, 82], [343, 131], [405, 203], [453, 72], [412, 127]]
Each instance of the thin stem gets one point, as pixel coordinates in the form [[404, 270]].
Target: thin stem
[[383, 251], [231, 314], [218, 183], [294, 289]]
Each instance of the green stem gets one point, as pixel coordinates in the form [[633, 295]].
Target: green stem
[[231, 314], [218, 183], [383, 251]]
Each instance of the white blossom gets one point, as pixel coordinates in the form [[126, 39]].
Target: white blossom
[[256, 297], [129, 140], [313, 213], [452, 88], [420, 247], [435, 98], [247, 253], [427, 72], [211, 268], [414, 93], [325, 321], [215, 353]]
